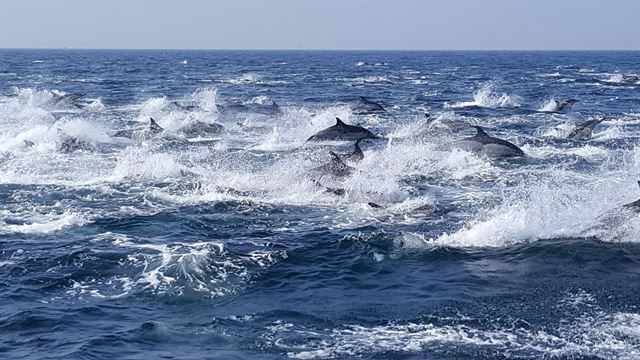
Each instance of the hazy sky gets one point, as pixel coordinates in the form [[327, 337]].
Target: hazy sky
[[321, 24]]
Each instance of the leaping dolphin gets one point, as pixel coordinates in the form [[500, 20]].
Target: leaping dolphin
[[584, 130], [69, 144], [564, 105], [491, 146], [365, 105], [341, 132], [202, 128], [336, 168]]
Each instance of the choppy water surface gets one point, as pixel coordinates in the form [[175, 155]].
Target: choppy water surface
[[220, 245]]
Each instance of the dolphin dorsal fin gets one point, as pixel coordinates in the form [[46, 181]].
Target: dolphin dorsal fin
[[153, 125], [339, 122], [357, 150], [363, 99], [479, 131]]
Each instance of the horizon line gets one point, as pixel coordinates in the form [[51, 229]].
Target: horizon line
[[299, 49]]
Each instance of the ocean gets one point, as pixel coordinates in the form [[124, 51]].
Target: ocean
[[213, 236]]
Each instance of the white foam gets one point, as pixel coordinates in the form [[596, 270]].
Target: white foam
[[487, 97]]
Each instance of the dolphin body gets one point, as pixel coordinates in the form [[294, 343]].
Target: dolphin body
[[152, 129], [272, 109], [491, 146], [69, 144], [564, 105], [355, 156], [202, 128], [366, 106], [630, 79], [335, 169], [583, 131], [614, 220], [66, 98], [341, 132]]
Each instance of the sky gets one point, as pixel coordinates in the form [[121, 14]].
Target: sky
[[322, 24]]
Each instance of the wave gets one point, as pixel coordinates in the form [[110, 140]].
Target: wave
[[487, 97]]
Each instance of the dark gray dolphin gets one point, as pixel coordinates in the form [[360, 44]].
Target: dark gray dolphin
[[232, 108], [564, 105], [335, 169], [70, 144], [634, 205], [484, 144], [423, 210], [272, 109], [330, 190], [365, 105], [355, 156], [202, 128], [66, 98], [584, 130], [152, 129], [630, 79], [183, 107], [341, 131], [614, 219]]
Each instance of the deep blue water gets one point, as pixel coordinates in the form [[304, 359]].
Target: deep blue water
[[220, 246]]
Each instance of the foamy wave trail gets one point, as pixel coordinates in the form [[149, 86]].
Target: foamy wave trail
[[487, 97]]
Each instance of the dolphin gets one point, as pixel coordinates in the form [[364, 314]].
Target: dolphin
[[202, 128], [342, 131], [424, 210], [365, 105], [232, 108], [336, 168], [634, 205], [583, 131], [70, 144], [153, 129], [491, 146], [66, 98], [355, 156], [183, 107], [613, 221], [272, 109], [564, 105], [630, 79], [330, 190]]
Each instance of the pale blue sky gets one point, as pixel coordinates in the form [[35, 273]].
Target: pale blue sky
[[326, 24]]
